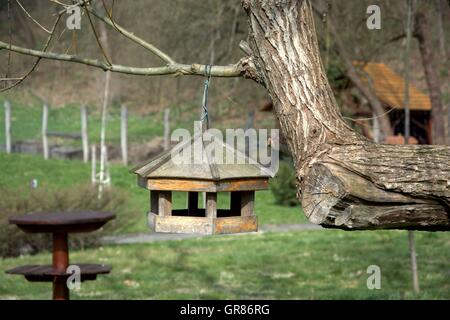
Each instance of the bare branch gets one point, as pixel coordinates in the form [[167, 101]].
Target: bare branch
[[163, 56], [31, 17], [47, 43], [109, 21], [10, 79], [96, 36], [243, 68], [239, 69]]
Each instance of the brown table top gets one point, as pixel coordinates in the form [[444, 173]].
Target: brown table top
[[74, 221], [47, 272]]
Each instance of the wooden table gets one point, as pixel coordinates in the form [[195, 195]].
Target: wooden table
[[60, 224]]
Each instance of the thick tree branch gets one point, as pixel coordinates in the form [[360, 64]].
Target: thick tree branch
[[239, 69]]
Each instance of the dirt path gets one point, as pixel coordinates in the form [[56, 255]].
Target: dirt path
[[153, 237]]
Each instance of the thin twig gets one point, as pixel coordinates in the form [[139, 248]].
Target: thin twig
[[31, 17], [10, 79], [96, 36], [108, 20], [49, 39]]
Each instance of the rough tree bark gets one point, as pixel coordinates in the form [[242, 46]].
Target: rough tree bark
[[345, 181]]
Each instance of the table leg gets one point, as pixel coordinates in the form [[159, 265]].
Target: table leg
[[60, 263]]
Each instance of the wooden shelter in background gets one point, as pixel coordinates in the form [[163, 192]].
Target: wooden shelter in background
[[389, 87]]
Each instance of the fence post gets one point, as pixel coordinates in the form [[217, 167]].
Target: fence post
[[166, 129], [250, 119], [93, 164], [249, 125], [376, 128], [44, 131], [84, 133], [124, 134], [8, 126]]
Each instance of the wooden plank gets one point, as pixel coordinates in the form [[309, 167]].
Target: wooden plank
[[192, 202], [180, 224], [211, 204], [165, 203], [124, 134], [202, 225], [244, 184], [7, 126], [181, 185], [247, 203], [235, 203], [235, 224], [154, 202], [207, 185]]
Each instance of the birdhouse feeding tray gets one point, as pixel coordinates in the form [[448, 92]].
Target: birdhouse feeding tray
[[193, 167]]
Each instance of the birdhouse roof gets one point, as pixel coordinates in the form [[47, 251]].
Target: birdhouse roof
[[194, 159]]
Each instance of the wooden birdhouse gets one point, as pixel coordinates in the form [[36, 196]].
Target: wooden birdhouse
[[164, 175]]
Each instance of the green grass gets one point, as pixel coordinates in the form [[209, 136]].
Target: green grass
[[17, 170], [324, 264]]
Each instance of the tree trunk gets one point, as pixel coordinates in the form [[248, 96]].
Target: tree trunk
[[423, 34], [345, 181]]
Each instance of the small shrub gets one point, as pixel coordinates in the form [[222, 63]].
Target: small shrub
[[283, 186], [14, 242]]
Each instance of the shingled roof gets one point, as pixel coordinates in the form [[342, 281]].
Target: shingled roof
[[165, 166], [389, 87]]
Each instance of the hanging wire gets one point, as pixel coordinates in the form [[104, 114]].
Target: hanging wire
[[371, 118], [204, 115]]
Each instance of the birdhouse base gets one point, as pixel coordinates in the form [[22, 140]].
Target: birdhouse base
[[202, 225]]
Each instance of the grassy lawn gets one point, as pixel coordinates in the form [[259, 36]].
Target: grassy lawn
[[18, 170], [324, 264]]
